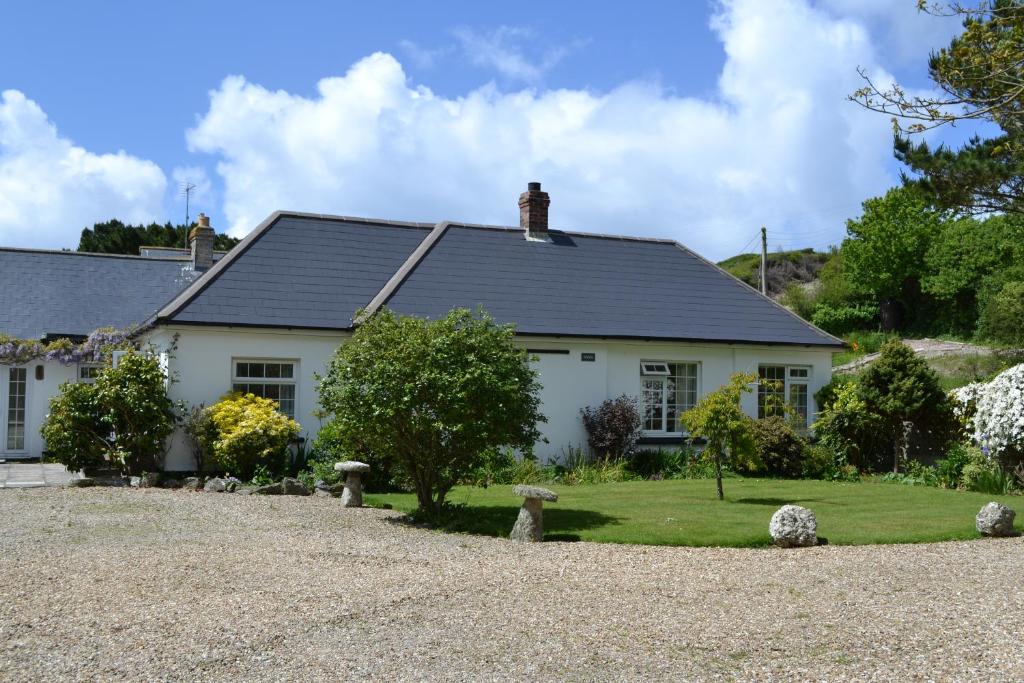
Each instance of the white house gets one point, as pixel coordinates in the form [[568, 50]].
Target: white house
[[602, 315]]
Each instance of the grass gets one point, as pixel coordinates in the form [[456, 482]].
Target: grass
[[686, 512]]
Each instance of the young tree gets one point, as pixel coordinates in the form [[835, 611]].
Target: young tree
[[980, 76], [884, 254], [432, 396], [720, 421]]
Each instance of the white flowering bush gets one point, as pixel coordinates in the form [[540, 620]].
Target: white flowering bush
[[998, 423], [965, 401]]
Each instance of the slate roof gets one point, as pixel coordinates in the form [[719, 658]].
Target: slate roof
[[314, 271], [73, 293]]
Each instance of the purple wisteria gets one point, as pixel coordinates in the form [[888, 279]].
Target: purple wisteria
[[96, 348]]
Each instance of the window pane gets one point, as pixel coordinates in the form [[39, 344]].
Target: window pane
[[16, 380], [241, 369], [652, 404], [273, 370], [770, 390], [287, 370], [798, 401], [255, 370]]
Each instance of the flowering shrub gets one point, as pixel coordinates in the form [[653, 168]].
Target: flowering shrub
[[613, 428], [965, 402], [245, 432], [95, 349], [998, 423]]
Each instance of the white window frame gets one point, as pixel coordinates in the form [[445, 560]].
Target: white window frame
[[660, 371], [791, 378], [6, 406], [292, 381], [88, 366]]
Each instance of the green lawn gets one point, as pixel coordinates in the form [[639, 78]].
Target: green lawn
[[686, 512]]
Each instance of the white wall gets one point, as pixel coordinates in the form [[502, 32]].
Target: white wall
[[202, 364], [37, 403], [201, 368]]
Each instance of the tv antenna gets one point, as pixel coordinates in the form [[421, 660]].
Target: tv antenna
[[187, 188]]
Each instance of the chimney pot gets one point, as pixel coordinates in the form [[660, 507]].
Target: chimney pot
[[200, 242], [533, 211]]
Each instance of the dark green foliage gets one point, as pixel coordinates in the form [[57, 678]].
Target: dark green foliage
[[784, 268], [124, 418], [432, 396], [781, 452], [841, 320], [1002, 319], [613, 428], [328, 448], [850, 430], [678, 463], [900, 386], [114, 237]]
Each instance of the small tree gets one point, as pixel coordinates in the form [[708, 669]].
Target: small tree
[[432, 396], [124, 418], [721, 422], [613, 428]]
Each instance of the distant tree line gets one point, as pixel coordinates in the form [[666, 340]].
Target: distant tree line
[[115, 237]]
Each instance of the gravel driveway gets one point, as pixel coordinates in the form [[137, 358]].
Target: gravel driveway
[[151, 584]]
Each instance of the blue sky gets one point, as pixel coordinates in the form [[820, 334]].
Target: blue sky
[[693, 120]]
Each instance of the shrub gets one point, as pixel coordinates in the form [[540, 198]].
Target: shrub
[[850, 430], [677, 463], [124, 418], [983, 474], [432, 396], [329, 448], [248, 432], [613, 428], [950, 469], [200, 430], [1002, 318], [900, 387], [998, 424], [840, 320], [799, 298], [779, 449], [826, 396]]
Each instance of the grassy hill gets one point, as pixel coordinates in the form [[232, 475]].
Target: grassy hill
[[784, 267]]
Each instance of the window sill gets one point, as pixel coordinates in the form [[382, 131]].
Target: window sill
[[667, 440]]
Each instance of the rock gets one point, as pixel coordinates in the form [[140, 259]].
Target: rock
[[293, 487], [171, 483], [231, 484], [995, 520], [192, 483], [793, 527], [268, 490], [529, 526], [134, 482], [351, 466], [82, 483], [149, 480], [216, 485]]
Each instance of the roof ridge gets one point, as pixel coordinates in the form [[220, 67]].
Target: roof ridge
[[404, 270], [94, 254], [571, 233], [354, 219]]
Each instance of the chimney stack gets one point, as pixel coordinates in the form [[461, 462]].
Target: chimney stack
[[533, 211], [200, 242]]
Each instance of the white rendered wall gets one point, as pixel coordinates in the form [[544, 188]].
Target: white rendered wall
[[37, 403], [202, 364]]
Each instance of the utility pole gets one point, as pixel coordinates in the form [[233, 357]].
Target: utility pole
[[764, 260]]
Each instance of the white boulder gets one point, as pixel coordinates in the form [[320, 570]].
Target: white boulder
[[793, 526], [995, 520]]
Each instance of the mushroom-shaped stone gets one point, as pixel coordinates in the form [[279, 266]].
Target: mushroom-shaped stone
[[793, 527], [529, 525], [995, 520], [352, 496]]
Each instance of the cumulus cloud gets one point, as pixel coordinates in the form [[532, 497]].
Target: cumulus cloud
[[778, 144], [50, 188]]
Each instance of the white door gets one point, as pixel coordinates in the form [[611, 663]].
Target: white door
[[13, 407]]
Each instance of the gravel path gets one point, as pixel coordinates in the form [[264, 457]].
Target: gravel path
[[105, 584]]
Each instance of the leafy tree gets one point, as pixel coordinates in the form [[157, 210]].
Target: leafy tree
[[980, 76], [432, 396], [884, 254], [720, 421], [1002, 319], [900, 387], [124, 418], [114, 237]]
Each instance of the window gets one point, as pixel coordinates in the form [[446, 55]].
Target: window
[[87, 374], [267, 379], [667, 390], [17, 378], [782, 386]]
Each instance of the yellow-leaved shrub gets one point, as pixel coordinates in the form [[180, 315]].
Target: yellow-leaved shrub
[[245, 432]]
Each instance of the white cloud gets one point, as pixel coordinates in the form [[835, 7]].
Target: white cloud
[[422, 57], [778, 144], [50, 189], [503, 51]]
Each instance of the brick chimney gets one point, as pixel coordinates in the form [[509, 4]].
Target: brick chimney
[[200, 242], [533, 211]]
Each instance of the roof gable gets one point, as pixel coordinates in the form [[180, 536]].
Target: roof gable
[[299, 270]]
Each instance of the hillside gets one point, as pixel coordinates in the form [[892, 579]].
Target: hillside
[[784, 267]]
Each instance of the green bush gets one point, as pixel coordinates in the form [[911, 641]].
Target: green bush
[[1002, 318], [826, 396], [839, 320], [676, 463], [247, 432], [123, 419], [779, 449], [984, 475], [329, 448], [950, 469], [851, 431]]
